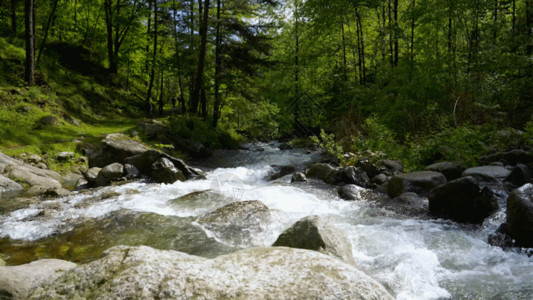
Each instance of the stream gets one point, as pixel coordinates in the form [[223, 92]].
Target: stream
[[414, 258]]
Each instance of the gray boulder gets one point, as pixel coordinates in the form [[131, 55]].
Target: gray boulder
[[512, 157], [395, 166], [65, 156], [520, 215], [449, 169], [164, 171], [92, 174], [379, 179], [299, 177], [519, 175], [258, 273], [32, 176], [70, 181], [325, 172], [313, 233], [353, 175], [131, 171], [488, 174], [34, 158], [417, 182], [115, 147], [17, 282], [280, 171], [462, 200], [144, 161], [109, 173], [370, 169], [350, 192]]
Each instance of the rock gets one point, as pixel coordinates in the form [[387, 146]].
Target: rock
[[488, 174], [108, 173], [449, 169], [281, 171], [131, 171], [91, 175], [259, 273], [33, 176], [41, 166], [501, 238], [154, 129], [370, 169], [417, 182], [70, 181], [325, 172], [519, 175], [164, 171], [61, 192], [285, 146], [48, 121], [16, 282], [144, 161], [9, 187], [238, 222], [115, 147], [34, 158], [81, 184], [353, 175], [313, 233], [82, 160], [407, 204], [65, 156], [379, 179], [298, 177], [512, 157], [350, 192], [520, 215], [394, 165], [462, 200]]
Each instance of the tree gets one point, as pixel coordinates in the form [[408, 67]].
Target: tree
[[29, 17], [195, 98]]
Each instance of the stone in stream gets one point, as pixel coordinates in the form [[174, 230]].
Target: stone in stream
[[144, 161], [298, 177], [520, 215], [8, 186], [259, 273], [353, 175], [394, 166], [116, 147], [313, 233], [350, 192], [92, 174], [17, 282], [280, 171], [70, 181], [487, 174], [238, 222], [449, 169], [109, 173], [519, 175], [417, 182], [323, 171], [462, 200], [164, 171]]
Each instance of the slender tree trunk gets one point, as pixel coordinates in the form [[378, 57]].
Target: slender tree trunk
[[192, 48], [161, 102], [109, 27], [344, 64], [362, 46], [296, 70], [203, 103], [201, 60], [29, 20], [359, 54], [218, 62], [529, 25], [14, 16], [514, 15], [147, 49], [413, 23], [75, 15], [43, 43], [182, 97], [154, 58], [396, 48]]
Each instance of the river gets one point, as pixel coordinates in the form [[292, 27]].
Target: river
[[414, 258]]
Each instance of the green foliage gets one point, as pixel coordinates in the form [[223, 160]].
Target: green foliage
[[329, 144], [185, 128], [9, 51]]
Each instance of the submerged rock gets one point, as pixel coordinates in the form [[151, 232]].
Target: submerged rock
[[313, 233], [17, 282], [462, 200], [520, 215], [259, 273], [417, 182]]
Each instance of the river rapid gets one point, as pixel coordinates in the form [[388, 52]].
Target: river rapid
[[414, 258]]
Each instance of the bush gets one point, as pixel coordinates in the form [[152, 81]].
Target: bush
[[196, 129]]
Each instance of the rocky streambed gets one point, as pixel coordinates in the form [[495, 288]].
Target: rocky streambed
[[210, 237]]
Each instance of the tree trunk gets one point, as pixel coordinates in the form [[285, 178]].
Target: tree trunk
[[161, 102], [413, 23], [362, 44], [529, 25], [391, 35], [218, 62], [344, 64], [201, 60], [514, 15], [75, 15], [14, 16], [43, 43], [154, 58], [296, 72], [113, 66], [203, 104], [29, 20], [396, 49]]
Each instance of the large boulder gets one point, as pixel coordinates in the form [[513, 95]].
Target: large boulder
[[488, 174], [71, 180], [449, 169], [92, 174], [17, 282], [144, 161], [237, 222], [32, 176], [116, 147], [350, 192], [325, 172], [520, 215], [353, 175], [109, 173], [280, 171], [417, 182], [519, 175], [512, 157], [394, 166], [8, 186], [164, 171], [313, 233], [462, 200], [258, 273]]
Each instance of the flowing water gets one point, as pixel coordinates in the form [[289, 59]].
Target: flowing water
[[415, 258]]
